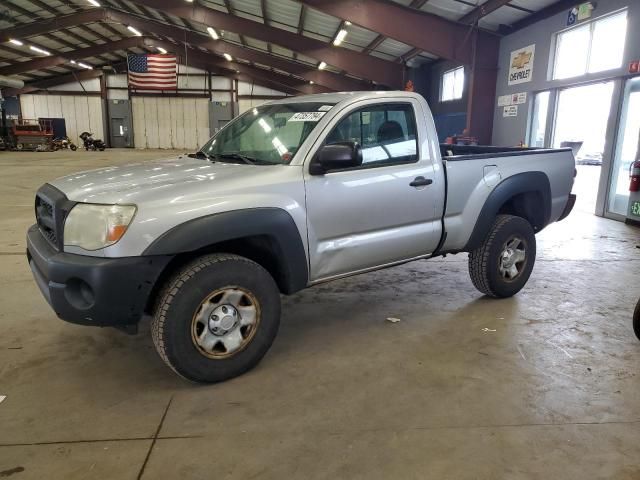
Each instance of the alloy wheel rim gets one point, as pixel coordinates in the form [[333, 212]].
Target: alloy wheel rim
[[513, 258]]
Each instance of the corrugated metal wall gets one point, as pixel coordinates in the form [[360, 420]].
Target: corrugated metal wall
[[80, 112], [174, 122], [248, 90], [158, 122]]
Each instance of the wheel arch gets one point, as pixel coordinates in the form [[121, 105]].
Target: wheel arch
[[526, 195], [268, 236]]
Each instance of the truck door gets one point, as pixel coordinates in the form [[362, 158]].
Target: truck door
[[385, 211]]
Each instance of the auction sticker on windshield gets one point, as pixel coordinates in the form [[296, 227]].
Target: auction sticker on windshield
[[307, 117]]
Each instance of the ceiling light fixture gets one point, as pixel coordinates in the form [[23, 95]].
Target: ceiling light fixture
[[94, 3], [84, 65], [39, 50], [340, 37], [16, 42], [134, 31], [213, 33], [161, 50], [322, 66], [311, 82], [227, 56]]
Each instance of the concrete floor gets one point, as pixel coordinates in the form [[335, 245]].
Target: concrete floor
[[542, 385]]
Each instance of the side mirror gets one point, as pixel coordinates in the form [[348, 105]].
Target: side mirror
[[336, 157]]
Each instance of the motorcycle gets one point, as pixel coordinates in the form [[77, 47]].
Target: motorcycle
[[63, 143], [91, 143]]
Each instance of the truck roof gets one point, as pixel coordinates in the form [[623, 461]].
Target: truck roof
[[349, 97]]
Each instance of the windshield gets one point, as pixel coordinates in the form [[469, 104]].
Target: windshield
[[266, 135]]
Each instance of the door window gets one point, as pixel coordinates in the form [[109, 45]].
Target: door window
[[539, 119], [117, 127], [387, 133], [626, 149]]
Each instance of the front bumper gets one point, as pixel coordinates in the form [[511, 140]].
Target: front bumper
[[93, 290]]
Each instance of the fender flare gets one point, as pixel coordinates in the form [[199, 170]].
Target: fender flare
[[274, 223], [527, 182]]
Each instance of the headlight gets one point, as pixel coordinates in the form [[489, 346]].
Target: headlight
[[93, 227]]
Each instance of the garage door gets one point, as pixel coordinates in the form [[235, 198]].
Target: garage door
[[159, 122], [79, 112]]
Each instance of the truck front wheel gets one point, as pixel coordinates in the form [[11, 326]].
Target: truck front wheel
[[501, 266], [216, 318]]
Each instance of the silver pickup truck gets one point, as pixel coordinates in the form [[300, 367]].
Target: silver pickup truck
[[288, 195]]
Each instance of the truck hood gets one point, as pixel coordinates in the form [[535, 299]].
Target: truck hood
[[156, 178]]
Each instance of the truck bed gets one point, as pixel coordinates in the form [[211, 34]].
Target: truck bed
[[473, 172]]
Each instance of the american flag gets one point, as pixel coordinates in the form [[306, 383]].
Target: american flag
[[152, 72]]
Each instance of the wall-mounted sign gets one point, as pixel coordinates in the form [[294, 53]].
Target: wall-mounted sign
[[514, 99], [504, 100], [584, 11], [510, 111], [579, 13], [519, 98], [521, 65]]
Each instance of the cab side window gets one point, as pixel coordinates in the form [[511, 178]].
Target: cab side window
[[387, 133]]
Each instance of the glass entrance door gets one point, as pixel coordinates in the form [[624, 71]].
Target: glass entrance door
[[582, 116], [626, 149]]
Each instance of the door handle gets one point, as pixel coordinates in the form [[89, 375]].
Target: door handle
[[421, 182]]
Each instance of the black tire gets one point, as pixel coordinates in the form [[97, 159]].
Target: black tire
[[73, 147], [485, 262], [636, 320], [174, 320]]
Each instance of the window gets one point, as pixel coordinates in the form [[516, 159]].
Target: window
[[594, 47], [539, 119], [387, 133], [452, 84], [270, 134]]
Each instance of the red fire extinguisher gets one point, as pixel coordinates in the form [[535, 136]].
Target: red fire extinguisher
[[634, 174]]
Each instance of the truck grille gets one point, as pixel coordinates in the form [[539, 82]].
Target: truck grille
[[52, 207], [46, 220]]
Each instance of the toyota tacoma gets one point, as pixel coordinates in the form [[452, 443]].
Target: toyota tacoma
[[288, 195]]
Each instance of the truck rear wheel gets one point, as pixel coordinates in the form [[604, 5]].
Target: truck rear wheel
[[501, 266], [216, 318]]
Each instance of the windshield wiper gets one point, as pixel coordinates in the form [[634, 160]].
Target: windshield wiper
[[237, 156], [201, 154]]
